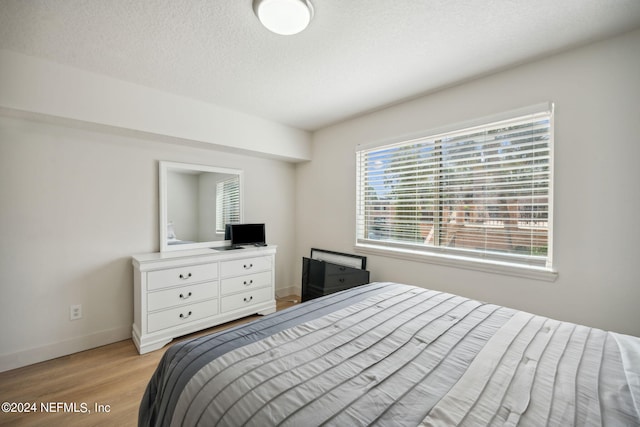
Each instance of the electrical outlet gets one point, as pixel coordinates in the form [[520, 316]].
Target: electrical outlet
[[75, 312]]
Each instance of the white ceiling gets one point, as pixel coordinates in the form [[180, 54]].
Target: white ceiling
[[355, 57]]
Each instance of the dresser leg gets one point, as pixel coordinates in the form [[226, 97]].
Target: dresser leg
[[267, 311]]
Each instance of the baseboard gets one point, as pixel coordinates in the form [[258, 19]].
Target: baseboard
[[285, 292], [62, 348], [87, 342]]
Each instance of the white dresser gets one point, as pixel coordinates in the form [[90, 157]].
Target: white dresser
[[177, 293]]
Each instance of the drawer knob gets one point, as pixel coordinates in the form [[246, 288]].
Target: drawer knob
[[182, 276], [248, 299], [182, 316], [183, 297], [250, 282], [247, 267], [341, 280]]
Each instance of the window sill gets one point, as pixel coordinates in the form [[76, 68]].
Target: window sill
[[495, 267]]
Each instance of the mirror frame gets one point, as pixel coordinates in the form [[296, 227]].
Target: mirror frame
[[164, 167]]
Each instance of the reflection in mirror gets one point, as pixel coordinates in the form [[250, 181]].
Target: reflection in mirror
[[196, 202]]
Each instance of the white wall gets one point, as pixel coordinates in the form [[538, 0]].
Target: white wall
[[79, 195], [207, 215], [183, 190], [596, 90], [75, 205], [42, 87]]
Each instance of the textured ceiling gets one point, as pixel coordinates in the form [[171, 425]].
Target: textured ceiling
[[355, 57]]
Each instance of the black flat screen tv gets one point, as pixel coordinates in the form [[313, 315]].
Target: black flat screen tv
[[247, 234]]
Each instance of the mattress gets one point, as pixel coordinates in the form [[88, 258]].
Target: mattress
[[398, 355]]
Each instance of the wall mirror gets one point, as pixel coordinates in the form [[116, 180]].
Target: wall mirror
[[196, 202]]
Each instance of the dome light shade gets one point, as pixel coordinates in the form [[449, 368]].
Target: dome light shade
[[285, 17]]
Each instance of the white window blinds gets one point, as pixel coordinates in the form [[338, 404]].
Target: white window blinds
[[482, 192], [227, 203]]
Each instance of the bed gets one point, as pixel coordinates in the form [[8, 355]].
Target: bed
[[398, 355]]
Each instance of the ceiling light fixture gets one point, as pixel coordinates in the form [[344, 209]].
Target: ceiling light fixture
[[285, 17]]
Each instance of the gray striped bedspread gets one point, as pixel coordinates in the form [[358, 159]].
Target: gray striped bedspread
[[397, 355]]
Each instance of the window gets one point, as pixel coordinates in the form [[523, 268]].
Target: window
[[227, 203], [477, 195]]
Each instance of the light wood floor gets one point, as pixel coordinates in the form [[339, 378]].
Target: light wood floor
[[114, 375]]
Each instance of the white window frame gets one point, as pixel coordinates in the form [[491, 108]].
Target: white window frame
[[491, 262]]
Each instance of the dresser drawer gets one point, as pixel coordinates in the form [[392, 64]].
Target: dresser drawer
[[343, 281], [245, 266], [340, 277], [245, 299], [182, 295], [336, 269], [181, 276], [244, 283], [181, 315]]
